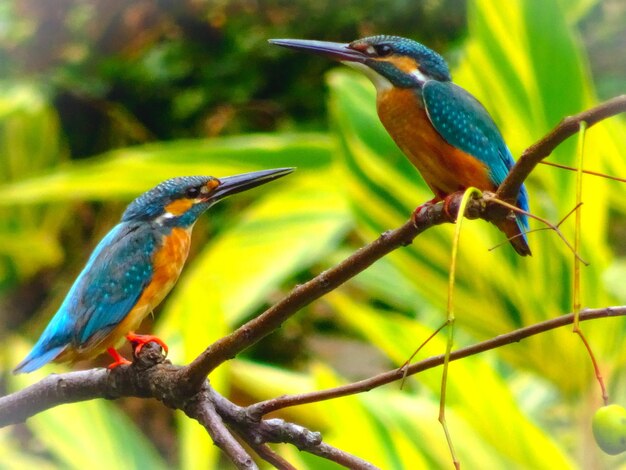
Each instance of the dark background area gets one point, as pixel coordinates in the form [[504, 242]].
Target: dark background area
[[129, 72]]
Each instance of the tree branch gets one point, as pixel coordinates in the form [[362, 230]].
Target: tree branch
[[257, 432], [187, 389], [301, 296], [509, 189], [260, 409], [203, 410], [151, 376], [127, 381]]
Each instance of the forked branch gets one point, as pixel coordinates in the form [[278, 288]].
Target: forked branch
[[186, 388]]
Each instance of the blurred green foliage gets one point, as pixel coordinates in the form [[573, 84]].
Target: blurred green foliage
[[122, 73], [30, 143], [88, 78]]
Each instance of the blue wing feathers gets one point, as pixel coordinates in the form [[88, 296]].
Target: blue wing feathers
[[37, 358], [464, 123], [114, 288], [103, 294]]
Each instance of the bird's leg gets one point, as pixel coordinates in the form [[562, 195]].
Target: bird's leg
[[118, 359], [138, 342], [422, 207], [447, 200], [439, 196]]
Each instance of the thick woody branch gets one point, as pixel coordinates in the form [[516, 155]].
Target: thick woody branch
[[187, 389], [257, 432], [256, 329], [203, 410], [302, 295], [569, 126], [151, 376], [159, 379]]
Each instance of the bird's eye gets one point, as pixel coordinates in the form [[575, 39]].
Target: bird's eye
[[383, 50], [192, 193]]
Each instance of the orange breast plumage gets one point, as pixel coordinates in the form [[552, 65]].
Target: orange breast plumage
[[168, 262], [445, 168]]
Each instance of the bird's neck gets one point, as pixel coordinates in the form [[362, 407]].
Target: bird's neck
[[186, 220], [386, 75], [381, 83]]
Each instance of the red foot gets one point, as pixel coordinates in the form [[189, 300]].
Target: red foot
[[139, 341], [446, 206], [118, 358], [417, 213]]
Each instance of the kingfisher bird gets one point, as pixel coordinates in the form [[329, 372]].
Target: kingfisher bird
[[446, 133], [133, 268]]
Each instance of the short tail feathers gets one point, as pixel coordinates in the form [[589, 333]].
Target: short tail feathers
[[38, 358], [520, 242], [55, 339], [515, 231]]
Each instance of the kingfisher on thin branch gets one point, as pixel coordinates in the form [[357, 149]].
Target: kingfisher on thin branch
[[132, 269], [445, 132]]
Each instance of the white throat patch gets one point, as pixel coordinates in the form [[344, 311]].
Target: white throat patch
[[380, 82], [421, 78], [163, 217]]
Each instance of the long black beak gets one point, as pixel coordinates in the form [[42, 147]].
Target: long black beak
[[238, 183], [334, 50]]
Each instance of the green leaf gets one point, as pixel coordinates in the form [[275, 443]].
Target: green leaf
[[263, 382], [124, 173], [29, 143], [14, 458]]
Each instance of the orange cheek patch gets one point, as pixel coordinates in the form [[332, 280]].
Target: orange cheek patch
[[404, 64], [179, 206]]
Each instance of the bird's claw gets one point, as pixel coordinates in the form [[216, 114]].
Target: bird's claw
[[118, 359], [139, 341], [417, 213], [446, 206]]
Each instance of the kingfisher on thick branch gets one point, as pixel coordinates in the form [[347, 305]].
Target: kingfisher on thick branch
[[445, 132], [133, 268]]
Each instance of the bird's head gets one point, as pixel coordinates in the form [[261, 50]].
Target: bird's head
[[178, 202], [388, 61]]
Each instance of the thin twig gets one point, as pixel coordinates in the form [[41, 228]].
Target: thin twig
[[509, 189], [186, 387], [266, 453], [262, 408], [587, 172], [549, 225]]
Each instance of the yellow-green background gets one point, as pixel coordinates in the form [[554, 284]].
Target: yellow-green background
[[527, 405]]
